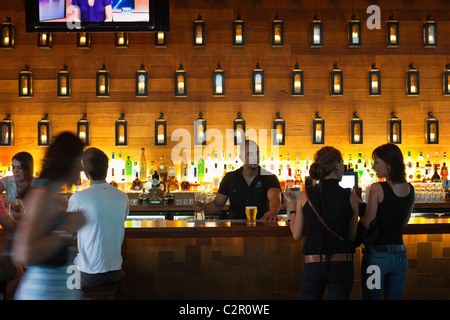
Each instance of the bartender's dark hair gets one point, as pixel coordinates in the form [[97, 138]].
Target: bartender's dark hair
[[95, 162], [60, 156], [324, 162], [392, 155]]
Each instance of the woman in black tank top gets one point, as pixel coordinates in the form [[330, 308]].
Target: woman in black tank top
[[385, 265], [328, 249]]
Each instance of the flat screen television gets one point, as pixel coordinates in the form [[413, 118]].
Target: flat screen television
[[99, 16]]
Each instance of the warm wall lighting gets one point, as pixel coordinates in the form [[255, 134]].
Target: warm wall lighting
[[44, 131], [160, 131], [446, 80], [354, 33], [25, 83], [64, 87], [374, 81], [356, 129], [238, 32], [297, 81], [430, 33], [122, 40], [180, 82], [199, 32], [83, 40], [432, 129], [102, 83], [239, 130], [277, 32], [200, 130], [219, 82], [395, 129], [6, 131], [45, 40], [121, 131], [7, 34], [160, 39], [337, 81], [83, 129], [258, 81], [412, 81], [278, 131], [316, 38], [392, 33], [141, 82], [318, 129]]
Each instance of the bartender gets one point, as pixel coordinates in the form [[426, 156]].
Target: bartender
[[250, 185]]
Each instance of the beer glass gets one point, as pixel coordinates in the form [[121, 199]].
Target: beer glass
[[250, 212], [199, 214]]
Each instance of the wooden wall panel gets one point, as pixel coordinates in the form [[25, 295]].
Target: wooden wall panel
[[238, 64]]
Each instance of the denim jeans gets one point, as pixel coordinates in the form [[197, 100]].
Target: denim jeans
[[393, 269], [337, 276]]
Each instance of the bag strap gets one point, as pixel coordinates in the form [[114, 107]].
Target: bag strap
[[321, 219]]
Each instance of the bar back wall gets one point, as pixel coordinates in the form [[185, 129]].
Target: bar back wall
[[238, 63]]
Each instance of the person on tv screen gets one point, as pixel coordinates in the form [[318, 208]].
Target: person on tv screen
[[93, 10]]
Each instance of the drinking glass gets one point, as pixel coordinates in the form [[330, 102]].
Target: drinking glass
[[199, 214]]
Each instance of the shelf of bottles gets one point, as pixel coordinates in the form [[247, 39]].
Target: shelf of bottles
[[428, 173]]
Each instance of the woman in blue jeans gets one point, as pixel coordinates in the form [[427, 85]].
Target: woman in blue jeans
[[385, 264]]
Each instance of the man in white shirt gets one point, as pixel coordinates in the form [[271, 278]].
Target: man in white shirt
[[100, 240]]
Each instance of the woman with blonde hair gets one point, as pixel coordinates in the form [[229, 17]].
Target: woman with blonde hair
[[327, 215]]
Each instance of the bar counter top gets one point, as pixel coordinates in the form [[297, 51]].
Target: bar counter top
[[142, 228]]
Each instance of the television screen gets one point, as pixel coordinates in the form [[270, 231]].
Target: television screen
[[97, 15]]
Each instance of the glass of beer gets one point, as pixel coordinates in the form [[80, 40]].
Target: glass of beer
[[250, 212], [199, 214]]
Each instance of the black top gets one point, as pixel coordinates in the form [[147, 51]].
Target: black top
[[392, 214], [241, 194], [332, 202]]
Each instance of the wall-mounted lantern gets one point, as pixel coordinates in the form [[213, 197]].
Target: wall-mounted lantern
[[44, 131], [239, 130], [83, 131], [64, 88], [141, 82], [199, 32], [102, 83], [121, 127], [278, 131], [316, 37], [160, 131], [180, 82], [122, 40], [297, 81], [83, 40], [7, 34], [277, 32], [45, 40], [412, 81], [238, 32], [432, 129], [318, 129], [446, 80], [6, 131], [430, 33], [160, 39], [337, 81], [25, 82], [258, 81], [200, 130], [356, 129], [219, 82], [395, 129], [354, 33], [392, 33], [374, 81]]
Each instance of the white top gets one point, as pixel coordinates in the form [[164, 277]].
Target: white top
[[100, 239], [11, 187]]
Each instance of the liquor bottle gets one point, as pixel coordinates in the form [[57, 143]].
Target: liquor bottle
[[111, 166], [155, 180], [137, 184], [162, 169], [281, 174], [209, 168], [113, 182], [350, 163], [360, 165], [194, 185], [217, 166], [289, 179], [216, 178], [230, 165], [143, 198], [200, 169], [122, 182], [184, 186], [421, 161], [272, 164], [120, 168], [409, 168], [143, 165], [128, 169], [418, 173], [444, 171], [134, 169], [436, 177], [172, 172], [428, 170]]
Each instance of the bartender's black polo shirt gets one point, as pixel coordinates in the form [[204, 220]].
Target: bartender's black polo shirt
[[241, 194]]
